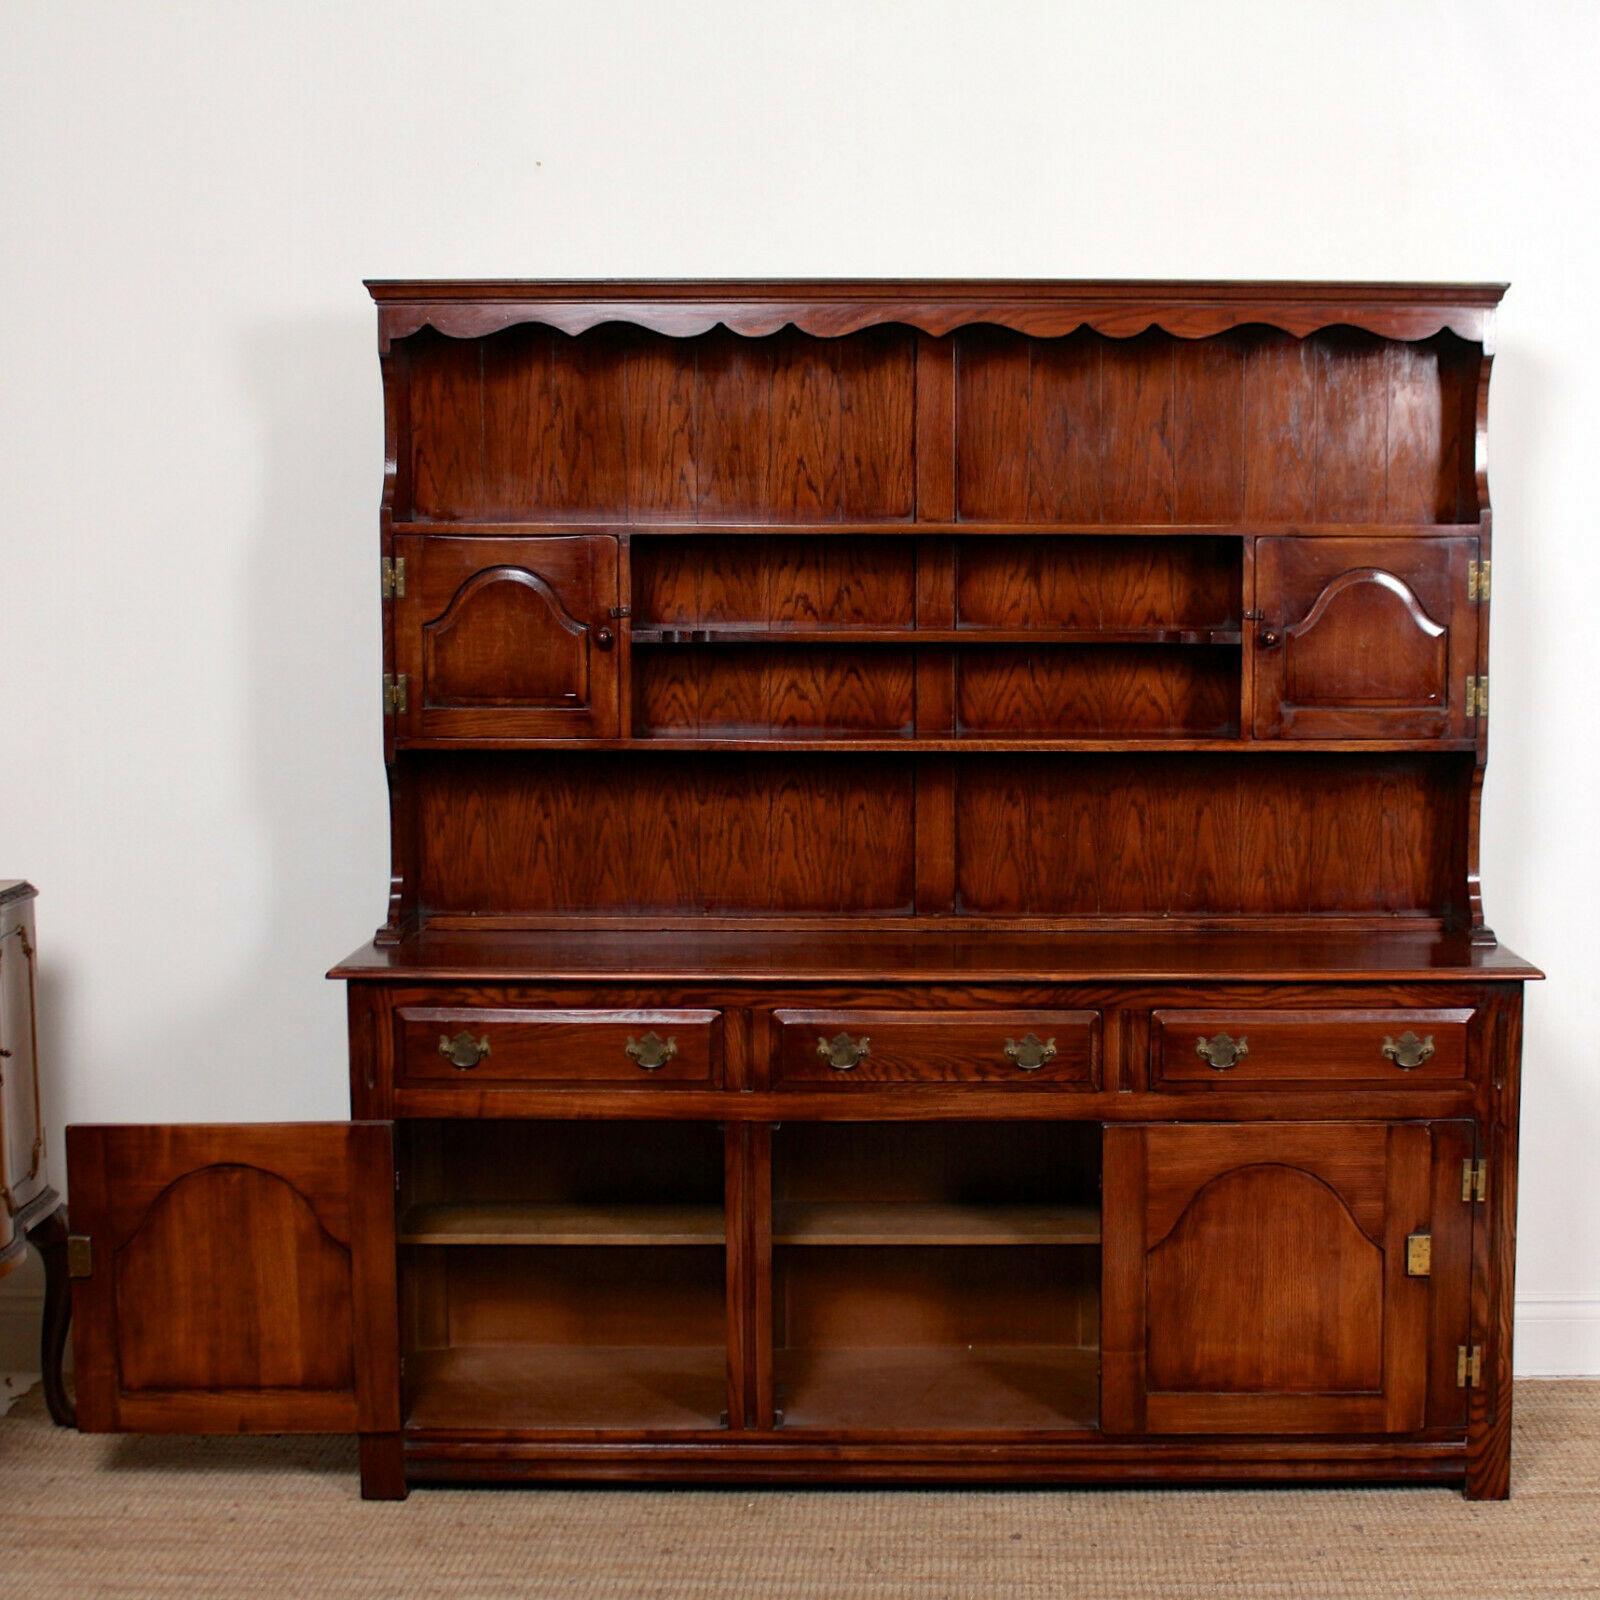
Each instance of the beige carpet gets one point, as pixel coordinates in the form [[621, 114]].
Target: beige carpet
[[85, 1517]]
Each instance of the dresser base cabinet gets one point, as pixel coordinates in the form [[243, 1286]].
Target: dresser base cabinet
[[913, 1279], [934, 930]]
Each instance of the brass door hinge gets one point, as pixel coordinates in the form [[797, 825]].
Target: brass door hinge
[[1419, 1255], [1478, 696], [1469, 1366], [394, 577], [1478, 580], [80, 1256], [395, 694], [1475, 1180]]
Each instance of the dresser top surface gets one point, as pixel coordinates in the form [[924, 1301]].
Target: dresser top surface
[[978, 289], [798, 955]]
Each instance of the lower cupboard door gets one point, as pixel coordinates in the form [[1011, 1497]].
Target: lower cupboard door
[[1257, 1277], [234, 1279]]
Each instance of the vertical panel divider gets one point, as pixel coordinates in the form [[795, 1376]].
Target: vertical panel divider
[[936, 428], [762, 1409], [748, 1226], [935, 711], [1122, 1285], [1247, 640], [623, 630], [934, 835], [935, 558], [737, 1268]]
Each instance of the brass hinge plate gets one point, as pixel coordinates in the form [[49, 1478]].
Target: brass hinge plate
[[80, 1255], [1478, 580], [394, 578], [1469, 1366], [396, 694], [1419, 1255], [1478, 696], [1475, 1180]]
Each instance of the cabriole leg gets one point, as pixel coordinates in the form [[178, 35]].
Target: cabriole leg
[[49, 1237]]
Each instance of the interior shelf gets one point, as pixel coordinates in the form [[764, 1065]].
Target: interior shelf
[[554, 1224], [909, 1388], [567, 1386], [850, 1222], [732, 633]]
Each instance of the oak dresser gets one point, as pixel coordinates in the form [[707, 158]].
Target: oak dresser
[[934, 930]]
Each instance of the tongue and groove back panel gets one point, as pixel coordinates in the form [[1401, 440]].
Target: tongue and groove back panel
[[620, 424], [511, 835]]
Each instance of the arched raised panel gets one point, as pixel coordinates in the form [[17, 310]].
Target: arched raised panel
[[1255, 1281], [224, 1242], [1363, 638], [506, 639], [1303, 1311], [1367, 641], [235, 1278]]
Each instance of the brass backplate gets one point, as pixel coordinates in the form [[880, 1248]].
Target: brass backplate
[[80, 1255], [1419, 1255]]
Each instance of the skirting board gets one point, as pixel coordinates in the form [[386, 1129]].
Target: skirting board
[[1558, 1335]]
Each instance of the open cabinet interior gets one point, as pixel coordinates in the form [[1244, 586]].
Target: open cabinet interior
[[936, 1275], [558, 1275]]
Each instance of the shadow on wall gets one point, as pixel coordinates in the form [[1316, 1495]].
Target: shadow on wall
[[312, 872], [310, 654], [310, 867]]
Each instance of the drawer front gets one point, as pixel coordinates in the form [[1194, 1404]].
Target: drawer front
[[614, 1049], [1200, 1050], [878, 1048]]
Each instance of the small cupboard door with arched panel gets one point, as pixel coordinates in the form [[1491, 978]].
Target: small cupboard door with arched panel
[[234, 1279], [1261, 1278], [1364, 638], [508, 638]]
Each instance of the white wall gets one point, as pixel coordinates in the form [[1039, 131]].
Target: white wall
[[190, 428]]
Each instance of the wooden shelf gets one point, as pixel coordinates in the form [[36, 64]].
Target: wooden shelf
[[913, 1388], [589, 1387], [860, 1222], [735, 634], [548, 1224]]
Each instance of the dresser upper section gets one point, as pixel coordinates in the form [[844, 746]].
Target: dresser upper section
[[1080, 603]]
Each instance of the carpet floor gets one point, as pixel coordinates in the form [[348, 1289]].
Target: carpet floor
[[85, 1517]]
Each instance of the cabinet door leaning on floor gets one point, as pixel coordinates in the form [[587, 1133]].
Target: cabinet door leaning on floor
[[934, 928]]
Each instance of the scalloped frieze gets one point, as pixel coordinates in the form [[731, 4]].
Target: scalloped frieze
[[1044, 318]]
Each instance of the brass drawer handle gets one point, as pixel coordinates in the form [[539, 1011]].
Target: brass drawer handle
[[841, 1052], [1222, 1052], [1408, 1050], [651, 1052], [1032, 1053], [463, 1051]]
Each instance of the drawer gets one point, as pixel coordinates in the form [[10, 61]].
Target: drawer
[[614, 1049], [877, 1048], [1199, 1050]]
